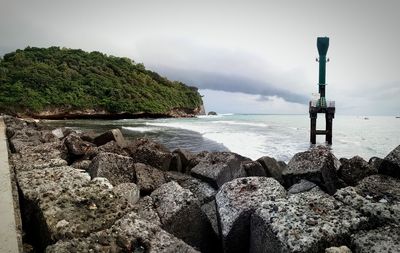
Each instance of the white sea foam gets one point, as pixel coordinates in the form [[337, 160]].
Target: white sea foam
[[255, 124], [242, 142], [142, 129]]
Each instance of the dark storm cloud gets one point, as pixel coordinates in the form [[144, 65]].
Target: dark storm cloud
[[230, 83]]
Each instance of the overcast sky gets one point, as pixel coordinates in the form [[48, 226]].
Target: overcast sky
[[245, 56]]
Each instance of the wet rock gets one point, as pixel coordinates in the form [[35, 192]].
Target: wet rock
[[112, 147], [81, 164], [236, 201], [375, 162], [196, 159], [148, 178], [184, 157], [254, 169], [317, 165], [301, 186], [111, 135], [304, 222], [378, 196], [146, 210], [271, 167], [391, 164], [219, 167], [341, 249], [77, 147], [178, 207], [145, 151], [116, 168], [353, 170], [129, 234], [176, 163], [128, 191], [383, 240]]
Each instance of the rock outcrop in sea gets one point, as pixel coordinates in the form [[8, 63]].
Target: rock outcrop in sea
[[84, 193]]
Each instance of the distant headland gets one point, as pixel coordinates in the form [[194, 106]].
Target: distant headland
[[59, 83]]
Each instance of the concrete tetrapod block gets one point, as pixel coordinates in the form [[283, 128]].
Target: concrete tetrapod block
[[129, 234], [236, 201], [305, 222], [181, 215], [377, 196], [219, 167], [61, 203], [116, 168]]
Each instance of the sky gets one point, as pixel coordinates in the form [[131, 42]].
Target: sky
[[244, 56]]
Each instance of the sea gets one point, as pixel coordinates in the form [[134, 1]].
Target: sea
[[254, 136]]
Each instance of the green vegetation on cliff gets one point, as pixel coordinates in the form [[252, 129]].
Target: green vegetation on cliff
[[54, 79]]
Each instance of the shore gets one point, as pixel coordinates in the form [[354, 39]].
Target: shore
[[80, 192]]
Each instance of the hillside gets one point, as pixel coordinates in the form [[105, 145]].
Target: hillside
[[60, 83]]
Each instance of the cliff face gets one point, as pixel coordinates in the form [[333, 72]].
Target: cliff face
[[66, 83]]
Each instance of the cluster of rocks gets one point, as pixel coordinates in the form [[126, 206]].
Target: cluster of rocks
[[81, 192]]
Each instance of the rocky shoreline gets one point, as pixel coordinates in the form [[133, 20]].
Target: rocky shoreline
[[85, 193]]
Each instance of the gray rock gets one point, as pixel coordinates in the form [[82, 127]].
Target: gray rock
[[219, 167], [111, 135], [254, 169], [341, 249], [148, 178], [210, 210], [375, 162], [176, 163], [377, 196], [146, 210], [271, 167], [178, 207], [196, 159], [301, 186], [236, 201], [391, 164], [129, 234], [317, 165], [116, 168], [381, 240], [62, 203], [304, 222], [81, 164], [58, 132], [77, 147], [145, 151], [185, 157], [353, 170], [129, 191], [201, 190], [112, 147]]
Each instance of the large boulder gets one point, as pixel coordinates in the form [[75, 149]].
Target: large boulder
[[116, 168], [148, 178], [178, 207], [384, 239], [378, 196], [210, 210], [61, 203], [129, 234], [305, 222], [184, 157], [201, 190], [353, 170], [219, 167], [128, 191], [391, 164], [272, 167], [78, 147], [111, 135], [146, 210], [317, 165], [254, 169], [146, 151], [236, 201], [112, 147]]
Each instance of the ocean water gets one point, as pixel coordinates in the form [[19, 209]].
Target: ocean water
[[254, 136]]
